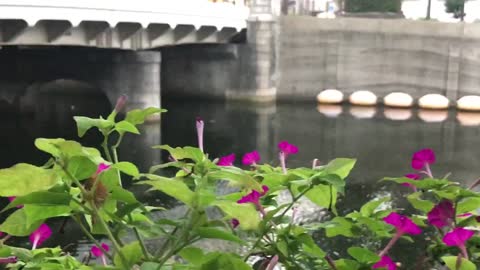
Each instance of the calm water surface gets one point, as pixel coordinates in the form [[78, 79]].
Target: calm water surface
[[382, 146]]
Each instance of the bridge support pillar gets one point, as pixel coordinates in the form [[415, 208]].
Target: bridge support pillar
[[257, 66], [136, 74]]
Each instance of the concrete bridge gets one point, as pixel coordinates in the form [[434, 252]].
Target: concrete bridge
[[125, 24]]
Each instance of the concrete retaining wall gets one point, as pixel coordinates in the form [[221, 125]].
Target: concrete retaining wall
[[349, 54]]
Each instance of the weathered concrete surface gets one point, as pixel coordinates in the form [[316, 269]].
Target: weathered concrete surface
[[416, 57]]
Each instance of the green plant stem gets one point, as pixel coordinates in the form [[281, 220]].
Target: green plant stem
[[294, 200], [109, 233], [142, 244], [105, 147], [91, 238], [115, 156]]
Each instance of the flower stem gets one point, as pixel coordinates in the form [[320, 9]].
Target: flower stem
[[390, 244], [463, 249], [281, 157], [105, 147], [109, 233], [90, 237], [428, 170], [142, 244]]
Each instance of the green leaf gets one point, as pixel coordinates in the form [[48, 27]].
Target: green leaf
[[468, 204], [340, 167], [37, 213], [423, 184], [371, 207], [81, 167], [329, 179], [127, 168], [138, 116], [120, 194], [124, 126], [418, 203], [193, 255], [49, 145], [149, 266], [42, 198], [323, 195], [344, 264], [16, 224], [310, 247], [245, 213], [172, 187], [86, 123], [133, 254], [23, 179], [363, 255], [236, 176], [451, 262], [180, 153], [339, 226], [213, 233], [224, 261]]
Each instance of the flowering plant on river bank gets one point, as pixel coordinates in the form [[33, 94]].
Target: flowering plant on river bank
[[85, 185]]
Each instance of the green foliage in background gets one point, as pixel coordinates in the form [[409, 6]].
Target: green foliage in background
[[373, 6]]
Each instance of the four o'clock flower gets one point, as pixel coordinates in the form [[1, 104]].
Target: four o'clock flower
[[102, 167], [98, 252], [442, 214], [40, 235], [413, 176], [254, 197], [226, 160], [121, 102], [286, 149], [6, 260], [235, 222], [458, 237], [422, 159], [403, 224], [251, 158], [12, 198], [386, 263], [200, 124]]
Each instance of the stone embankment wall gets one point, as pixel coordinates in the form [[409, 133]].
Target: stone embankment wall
[[309, 54], [349, 54]]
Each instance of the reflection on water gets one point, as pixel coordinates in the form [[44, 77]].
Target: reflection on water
[[382, 142]]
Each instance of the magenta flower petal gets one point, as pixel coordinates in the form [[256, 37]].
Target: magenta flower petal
[[226, 160], [457, 237], [442, 214], [287, 148], [235, 222], [102, 167], [253, 197], [422, 157], [251, 158], [97, 252], [6, 260], [402, 223], [385, 262], [40, 235]]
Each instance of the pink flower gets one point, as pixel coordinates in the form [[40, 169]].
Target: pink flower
[[287, 148], [402, 223], [442, 214], [235, 222], [6, 260], [98, 252], [423, 158], [413, 176], [226, 160], [253, 197], [458, 237], [273, 262], [121, 101], [200, 125], [385, 262], [40, 235], [102, 167], [251, 158]]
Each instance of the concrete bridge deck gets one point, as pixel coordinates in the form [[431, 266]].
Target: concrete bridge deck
[[124, 24]]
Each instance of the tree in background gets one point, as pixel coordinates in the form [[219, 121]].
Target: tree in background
[[457, 7], [394, 6]]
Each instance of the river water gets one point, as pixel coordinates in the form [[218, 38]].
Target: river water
[[382, 146]]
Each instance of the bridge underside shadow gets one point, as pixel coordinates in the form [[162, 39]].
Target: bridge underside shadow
[[30, 73]]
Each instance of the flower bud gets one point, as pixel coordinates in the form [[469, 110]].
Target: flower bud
[[121, 101]]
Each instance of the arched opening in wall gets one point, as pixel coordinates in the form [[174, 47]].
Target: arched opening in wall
[[49, 107]]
